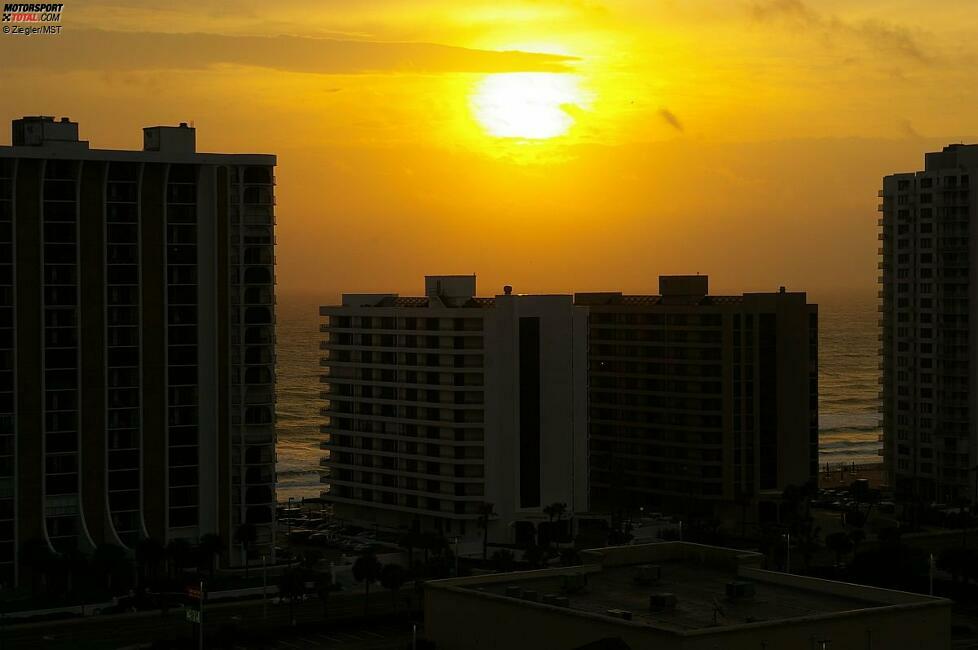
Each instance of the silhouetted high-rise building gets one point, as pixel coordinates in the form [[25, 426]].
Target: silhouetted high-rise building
[[437, 404], [930, 372], [701, 404], [684, 402], [137, 338]]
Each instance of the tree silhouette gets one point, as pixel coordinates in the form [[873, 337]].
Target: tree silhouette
[[324, 587], [39, 558], [486, 512], [503, 560], [107, 559], [553, 510], [366, 569], [179, 553], [149, 555], [840, 543], [209, 547], [246, 535], [393, 577]]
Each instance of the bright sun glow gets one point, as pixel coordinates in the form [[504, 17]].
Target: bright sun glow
[[527, 105]]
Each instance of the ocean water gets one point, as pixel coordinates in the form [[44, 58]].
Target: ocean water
[[848, 387]]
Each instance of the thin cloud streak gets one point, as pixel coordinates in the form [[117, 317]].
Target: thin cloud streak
[[126, 51], [876, 33]]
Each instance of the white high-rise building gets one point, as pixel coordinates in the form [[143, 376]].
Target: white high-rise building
[[929, 356], [438, 404]]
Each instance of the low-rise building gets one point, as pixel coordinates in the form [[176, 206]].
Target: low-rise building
[[677, 595]]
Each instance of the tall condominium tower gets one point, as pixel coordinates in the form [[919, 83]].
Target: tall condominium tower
[[701, 404], [929, 347], [683, 401], [438, 404], [136, 341]]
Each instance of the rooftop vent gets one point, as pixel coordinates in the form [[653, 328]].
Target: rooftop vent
[[648, 574], [40, 130], [170, 139], [737, 589], [662, 601]]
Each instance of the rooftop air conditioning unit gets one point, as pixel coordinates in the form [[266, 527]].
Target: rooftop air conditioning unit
[[530, 594], [662, 601], [648, 574], [514, 591], [740, 589], [620, 613]]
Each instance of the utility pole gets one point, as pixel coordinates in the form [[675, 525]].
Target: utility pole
[[787, 555], [930, 574], [264, 590], [200, 625]]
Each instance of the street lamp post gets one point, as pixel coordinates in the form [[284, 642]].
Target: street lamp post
[[264, 590], [456, 555], [787, 556]]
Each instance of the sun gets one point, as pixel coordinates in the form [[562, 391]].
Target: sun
[[527, 105]]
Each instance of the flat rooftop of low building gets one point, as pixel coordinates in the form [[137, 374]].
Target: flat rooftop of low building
[[700, 592], [698, 577]]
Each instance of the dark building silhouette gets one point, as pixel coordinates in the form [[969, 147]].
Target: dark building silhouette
[[701, 404], [930, 390], [136, 341]]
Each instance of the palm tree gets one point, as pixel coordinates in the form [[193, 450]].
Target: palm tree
[[366, 569], [179, 553], [39, 557], [858, 536], [74, 565], [503, 560], [209, 547], [246, 535], [553, 510], [410, 540], [840, 543], [325, 586], [149, 555], [393, 577], [107, 559], [486, 511]]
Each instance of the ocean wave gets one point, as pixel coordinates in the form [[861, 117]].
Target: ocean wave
[[297, 472], [853, 428]]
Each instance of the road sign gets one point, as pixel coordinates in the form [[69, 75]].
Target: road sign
[[193, 615]]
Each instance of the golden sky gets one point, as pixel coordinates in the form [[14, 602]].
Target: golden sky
[[555, 145]]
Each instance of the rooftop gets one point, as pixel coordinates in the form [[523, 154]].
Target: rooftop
[[43, 136], [700, 591], [459, 291], [692, 591]]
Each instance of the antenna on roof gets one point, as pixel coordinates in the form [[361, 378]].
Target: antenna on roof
[[717, 611]]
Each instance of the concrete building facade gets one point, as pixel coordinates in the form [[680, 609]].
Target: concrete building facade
[[701, 404], [438, 404], [682, 402], [929, 351], [677, 596], [136, 341]]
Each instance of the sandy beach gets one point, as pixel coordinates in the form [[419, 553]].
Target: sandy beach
[[841, 475]]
